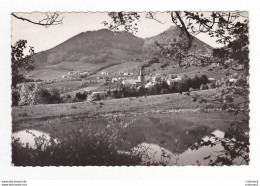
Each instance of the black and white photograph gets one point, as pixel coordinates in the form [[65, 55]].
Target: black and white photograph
[[130, 88]]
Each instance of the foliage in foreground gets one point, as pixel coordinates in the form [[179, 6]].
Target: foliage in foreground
[[75, 150], [235, 143], [20, 61], [78, 148]]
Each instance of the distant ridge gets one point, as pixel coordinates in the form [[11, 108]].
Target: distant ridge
[[172, 35]]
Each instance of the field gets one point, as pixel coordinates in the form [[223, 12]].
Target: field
[[57, 71], [24, 116], [123, 67], [65, 84], [210, 71]]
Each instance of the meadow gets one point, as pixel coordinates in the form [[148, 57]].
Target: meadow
[[145, 104]]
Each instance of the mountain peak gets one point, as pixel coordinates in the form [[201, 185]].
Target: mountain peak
[[173, 35], [98, 46]]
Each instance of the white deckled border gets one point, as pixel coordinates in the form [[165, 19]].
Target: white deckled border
[[175, 175]]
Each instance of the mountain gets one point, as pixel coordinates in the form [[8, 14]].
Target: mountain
[[105, 50], [105, 46], [174, 35], [100, 46]]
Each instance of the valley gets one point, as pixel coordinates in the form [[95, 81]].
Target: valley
[[116, 84]]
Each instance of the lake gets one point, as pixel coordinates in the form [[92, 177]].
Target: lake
[[167, 138]]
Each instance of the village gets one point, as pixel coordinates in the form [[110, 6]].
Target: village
[[104, 83], [78, 86]]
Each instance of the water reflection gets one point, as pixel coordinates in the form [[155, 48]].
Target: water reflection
[[175, 133], [167, 138], [190, 157], [28, 136], [156, 153]]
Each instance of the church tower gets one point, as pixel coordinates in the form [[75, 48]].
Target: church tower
[[141, 77]]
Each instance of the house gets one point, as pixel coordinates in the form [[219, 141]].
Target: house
[[100, 93], [212, 80], [232, 81], [115, 79], [149, 84], [172, 76], [174, 81], [156, 78], [95, 96], [130, 81], [170, 81], [104, 73]]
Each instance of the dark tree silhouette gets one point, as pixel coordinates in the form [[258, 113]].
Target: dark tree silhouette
[[20, 61]]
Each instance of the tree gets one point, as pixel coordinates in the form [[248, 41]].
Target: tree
[[164, 85], [204, 79], [20, 61]]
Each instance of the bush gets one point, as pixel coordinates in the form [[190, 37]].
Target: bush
[[43, 97], [28, 93], [55, 96], [78, 97], [33, 94], [81, 96]]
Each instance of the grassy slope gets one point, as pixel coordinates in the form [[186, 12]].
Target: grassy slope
[[189, 71], [57, 71], [41, 114], [123, 67], [139, 104], [65, 84]]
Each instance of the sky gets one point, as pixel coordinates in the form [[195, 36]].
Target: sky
[[42, 38]]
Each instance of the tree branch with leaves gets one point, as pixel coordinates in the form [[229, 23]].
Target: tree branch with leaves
[[20, 61], [50, 18]]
